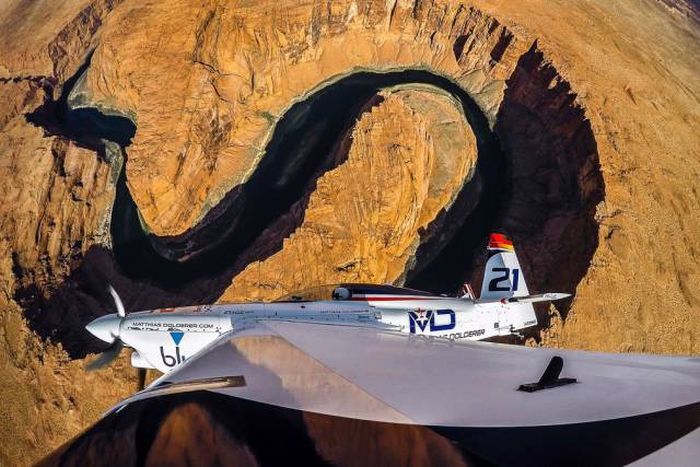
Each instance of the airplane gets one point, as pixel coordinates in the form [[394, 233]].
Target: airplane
[[164, 338], [371, 359]]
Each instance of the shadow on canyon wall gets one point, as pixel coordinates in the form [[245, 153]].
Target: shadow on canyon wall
[[547, 196]]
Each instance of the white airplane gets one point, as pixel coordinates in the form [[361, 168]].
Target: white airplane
[[164, 338], [368, 354]]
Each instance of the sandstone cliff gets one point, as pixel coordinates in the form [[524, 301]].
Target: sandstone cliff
[[200, 150]]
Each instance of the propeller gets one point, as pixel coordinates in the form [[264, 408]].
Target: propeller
[[119, 305], [106, 328], [106, 357]]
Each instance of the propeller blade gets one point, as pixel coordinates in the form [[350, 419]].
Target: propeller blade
[[106, 357], [121, 312], [142, 378]]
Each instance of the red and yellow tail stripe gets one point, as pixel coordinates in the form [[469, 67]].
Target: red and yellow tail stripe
[[499, 241]]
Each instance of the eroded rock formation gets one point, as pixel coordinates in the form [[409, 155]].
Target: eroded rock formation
[[244, 68], [364, 220], [382, 141]]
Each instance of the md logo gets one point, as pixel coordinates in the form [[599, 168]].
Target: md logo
[[432, 320]]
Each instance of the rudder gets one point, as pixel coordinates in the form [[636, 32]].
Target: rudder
[[503, 276]]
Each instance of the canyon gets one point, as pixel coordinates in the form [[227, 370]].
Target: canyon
[[193, 151]]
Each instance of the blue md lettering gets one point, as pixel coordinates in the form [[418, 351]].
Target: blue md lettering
[[423, 319]]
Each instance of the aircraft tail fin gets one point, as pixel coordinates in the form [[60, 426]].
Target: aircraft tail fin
[[503, 276], [504, 283]]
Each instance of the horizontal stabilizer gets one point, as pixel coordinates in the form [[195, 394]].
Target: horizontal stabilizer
[[543, 297]]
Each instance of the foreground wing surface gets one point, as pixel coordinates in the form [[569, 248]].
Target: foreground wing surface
[[373, 374], [347, 389]]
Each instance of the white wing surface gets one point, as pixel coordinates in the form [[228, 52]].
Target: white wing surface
[[346, 370], [621, 408]]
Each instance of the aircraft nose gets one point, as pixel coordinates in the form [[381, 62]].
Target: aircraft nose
[[105, 328]]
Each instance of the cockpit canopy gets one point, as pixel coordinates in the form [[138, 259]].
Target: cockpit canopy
[[342, 293], [347, 291]]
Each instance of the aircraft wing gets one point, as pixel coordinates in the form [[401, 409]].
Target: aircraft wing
[[469, 392]]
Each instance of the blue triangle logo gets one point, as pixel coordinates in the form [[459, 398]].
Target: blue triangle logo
[[177, 336]]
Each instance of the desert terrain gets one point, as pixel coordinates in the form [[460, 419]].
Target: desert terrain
[[194, 151]]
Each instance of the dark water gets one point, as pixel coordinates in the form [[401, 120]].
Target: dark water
[[85, 126]]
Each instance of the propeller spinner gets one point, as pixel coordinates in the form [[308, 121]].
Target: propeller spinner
[[107, 329]]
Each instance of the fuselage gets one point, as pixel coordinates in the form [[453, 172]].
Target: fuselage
[[164, 338]]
